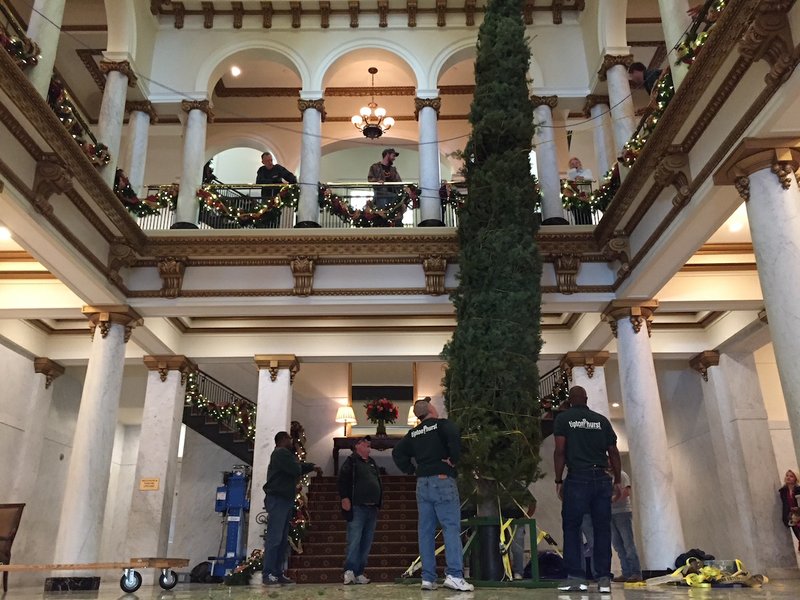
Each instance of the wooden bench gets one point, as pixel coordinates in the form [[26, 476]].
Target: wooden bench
[[130, 581]]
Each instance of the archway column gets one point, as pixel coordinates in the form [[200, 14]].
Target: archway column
[[426, 110], [675, 20], [655, 498], [141, 116], [157, 459], [547, 159], [623, 121], [194, 157], [764, 173], [80, 524], [273, 414], [587, 369], [44, 28], [596, 108], [119, 77], [310, 161]]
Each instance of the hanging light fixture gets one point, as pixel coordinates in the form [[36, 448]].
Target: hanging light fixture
[[372, 120]]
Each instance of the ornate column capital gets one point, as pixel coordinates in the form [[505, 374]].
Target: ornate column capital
[[637, 311], [170, 362], [780, 155], [593, 100], [551, 101], [171, 270], [434, 268], [566, 267], [144, 106], [612, 60], [769, 38], [420, 103], [275, 362], [673, 169], [318, 105], [104, 315], [123, 66], [201, 105], [49, 368], [303, 271], [701, 362], [588, 360]]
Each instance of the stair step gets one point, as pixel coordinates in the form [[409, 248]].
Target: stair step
[[317, 537], [376, 562]]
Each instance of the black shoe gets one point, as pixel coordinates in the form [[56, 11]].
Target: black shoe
[[271, 580], [284, 580]]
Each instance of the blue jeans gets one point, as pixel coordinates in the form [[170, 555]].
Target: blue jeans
[[360, 531], [437, 500], [276, 543], [587, 491], [622, 538]]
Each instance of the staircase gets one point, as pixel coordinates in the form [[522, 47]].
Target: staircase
[[219, 433], [393, 548]]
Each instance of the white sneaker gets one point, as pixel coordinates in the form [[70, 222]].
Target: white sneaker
[[362, 579], [349, 577], [458, 583], [573, 587], [428, 585], [517, 576]]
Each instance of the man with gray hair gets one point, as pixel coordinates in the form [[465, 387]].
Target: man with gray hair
[[435, 447]]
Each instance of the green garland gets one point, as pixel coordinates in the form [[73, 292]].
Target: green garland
[[633, 147], [370, 215], [242, 413], [24, 51], [268, 210], [242, 574], [573, 198], [693, 40], [167, 197]]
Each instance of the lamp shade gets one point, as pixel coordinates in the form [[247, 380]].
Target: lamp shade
[[412, 418], [345, 414]]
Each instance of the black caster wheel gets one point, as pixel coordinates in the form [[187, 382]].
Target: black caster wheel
[[168, 580], [130, 582]]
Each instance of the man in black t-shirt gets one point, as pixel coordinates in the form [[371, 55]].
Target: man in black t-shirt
[[586, 444], [269, 172]]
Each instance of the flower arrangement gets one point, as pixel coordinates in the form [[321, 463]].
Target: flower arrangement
[[381, 410]]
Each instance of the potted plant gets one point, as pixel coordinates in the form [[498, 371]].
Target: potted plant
[[380, 412]]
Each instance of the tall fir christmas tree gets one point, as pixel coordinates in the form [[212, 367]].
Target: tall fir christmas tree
[[491, 380]]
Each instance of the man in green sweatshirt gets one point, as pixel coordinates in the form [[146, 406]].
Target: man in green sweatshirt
[[435, 446], [283, 473]]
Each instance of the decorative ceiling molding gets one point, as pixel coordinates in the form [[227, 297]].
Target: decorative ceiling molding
[[223, 91]]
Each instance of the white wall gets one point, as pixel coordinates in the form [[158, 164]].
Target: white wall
[[120, 492]]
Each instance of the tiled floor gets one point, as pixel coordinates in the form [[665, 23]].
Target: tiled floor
[[110, 591]]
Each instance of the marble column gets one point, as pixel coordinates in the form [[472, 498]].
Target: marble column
[[274, 413], [78, 539], [596, 108], [157, 461], [764, 172], [745, 460], [587, 369], [675, 20], [141, 116], [547, 160], [623, 121], [119, 76], [30, 449], [655, 499], [194, 157], [44, 28], [310, 161], [426, 111]]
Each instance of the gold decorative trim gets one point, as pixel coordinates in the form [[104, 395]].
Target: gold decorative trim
[[318, 105], [780, 155], [770, 38], [50, 178], [593, 100], [208, 14], [441, 13], [169, 362], [674, 170], [266, 15], [120, 255], [412, 9], [742, 185], [324, 14], [18, 131], [587, 360], [122, 66], [238, 14], [702, 361], [86, 56], [638, 312], [103, 316], [352, 7], [420, 103], [567, 267], [612, 60], [144, 106], [201, 105], [296, 10], [49, 368], [551, 101], [274, 362], [619, 248], [435, 268], [303, 273], [171, 271]]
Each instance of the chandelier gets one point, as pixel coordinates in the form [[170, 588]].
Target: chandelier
[[372, 120]]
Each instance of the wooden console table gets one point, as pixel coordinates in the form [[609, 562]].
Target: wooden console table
[[347, 443]]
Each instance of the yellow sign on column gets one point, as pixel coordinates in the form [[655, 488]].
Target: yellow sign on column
[[149, 485]]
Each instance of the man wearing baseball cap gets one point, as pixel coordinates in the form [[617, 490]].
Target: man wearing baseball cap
[[361, 492], [382, 172]]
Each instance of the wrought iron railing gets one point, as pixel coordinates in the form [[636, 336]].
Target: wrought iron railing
[[553, 388], [220, 403]]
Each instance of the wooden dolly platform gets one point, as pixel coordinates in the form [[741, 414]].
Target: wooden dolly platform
[[130, 581]]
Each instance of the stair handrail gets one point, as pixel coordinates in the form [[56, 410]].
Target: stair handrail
[[226, 406]]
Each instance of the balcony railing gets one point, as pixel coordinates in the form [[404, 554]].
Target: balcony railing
[[14, 40], [220, 403]]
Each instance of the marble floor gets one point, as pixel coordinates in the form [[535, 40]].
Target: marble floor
[[111, 591]]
